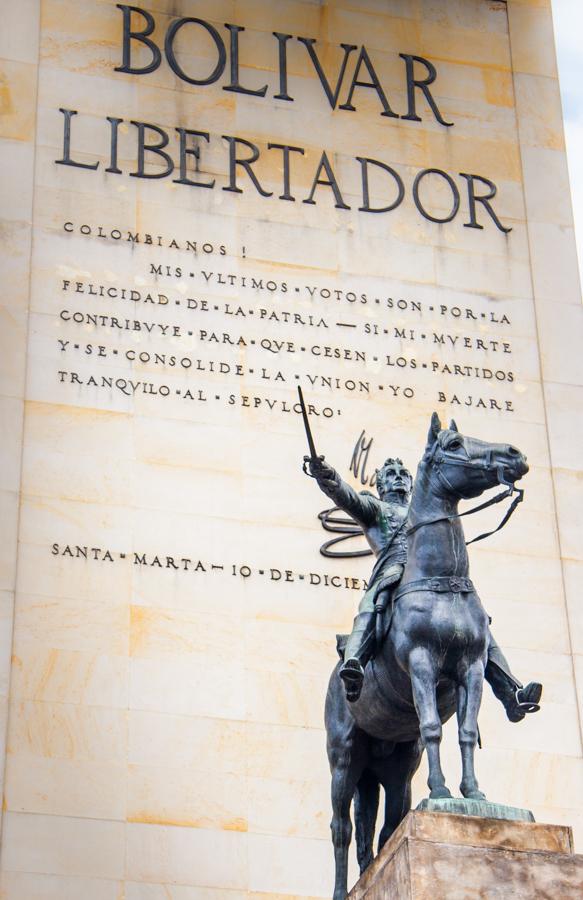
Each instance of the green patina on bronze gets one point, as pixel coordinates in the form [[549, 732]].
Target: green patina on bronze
[[483, 809]]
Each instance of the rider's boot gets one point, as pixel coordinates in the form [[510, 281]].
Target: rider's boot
[[516, 699], [357, 653]]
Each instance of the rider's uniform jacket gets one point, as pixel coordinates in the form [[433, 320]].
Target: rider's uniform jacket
[[383, 525]]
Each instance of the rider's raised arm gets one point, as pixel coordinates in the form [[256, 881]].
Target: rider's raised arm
[[362, 507]]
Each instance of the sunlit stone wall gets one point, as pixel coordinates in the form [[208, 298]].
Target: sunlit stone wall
[[168, 622]]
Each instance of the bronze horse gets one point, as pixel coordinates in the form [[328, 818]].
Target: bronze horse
[[431, 663]]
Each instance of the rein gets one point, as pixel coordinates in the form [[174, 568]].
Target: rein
[[346, 529], [510, 490]]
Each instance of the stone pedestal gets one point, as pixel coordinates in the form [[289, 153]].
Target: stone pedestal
[[437, 856]]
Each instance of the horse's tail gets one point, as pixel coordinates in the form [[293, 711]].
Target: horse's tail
[[366, 803]]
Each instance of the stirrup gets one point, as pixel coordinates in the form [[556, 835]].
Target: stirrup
[[532, 702]]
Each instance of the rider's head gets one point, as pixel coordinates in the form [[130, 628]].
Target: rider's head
[[394, 481]]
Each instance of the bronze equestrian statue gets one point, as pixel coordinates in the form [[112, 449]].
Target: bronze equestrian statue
[[381, 520], [437, 647]]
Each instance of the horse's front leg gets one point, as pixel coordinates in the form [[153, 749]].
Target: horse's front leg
[[469, 697], [424, 677]]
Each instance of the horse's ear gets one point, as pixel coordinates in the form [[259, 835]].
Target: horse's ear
[[434, 429], [453, 426]]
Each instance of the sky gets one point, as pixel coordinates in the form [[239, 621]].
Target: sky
[[568, 22]]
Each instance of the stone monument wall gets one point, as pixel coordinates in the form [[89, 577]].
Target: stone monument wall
[[207, 205]]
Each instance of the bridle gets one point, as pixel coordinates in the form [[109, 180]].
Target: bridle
[[486, 464]]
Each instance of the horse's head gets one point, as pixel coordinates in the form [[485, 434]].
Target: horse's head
[[465, 466]]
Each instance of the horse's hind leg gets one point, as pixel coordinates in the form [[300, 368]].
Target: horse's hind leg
[[366, 804], [423, 674], [469, 696], [398, 772], [345, 775]]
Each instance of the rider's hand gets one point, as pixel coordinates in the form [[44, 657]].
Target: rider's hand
[[321, 470]]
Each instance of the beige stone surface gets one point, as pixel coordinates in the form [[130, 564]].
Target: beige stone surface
[[164, 726], [18, 109]]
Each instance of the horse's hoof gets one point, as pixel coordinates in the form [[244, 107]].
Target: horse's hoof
[[440, 793], [474, 795]]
